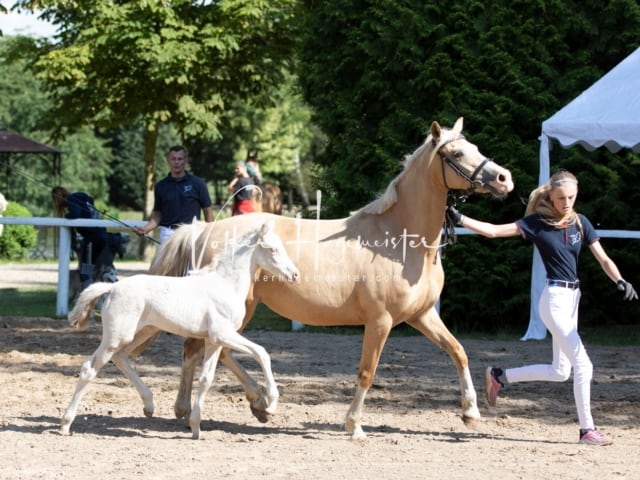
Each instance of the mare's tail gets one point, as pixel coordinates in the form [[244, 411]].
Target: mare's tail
[[174, 257], [80, 315]]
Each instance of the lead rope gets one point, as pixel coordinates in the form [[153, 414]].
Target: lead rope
[[449, 236]]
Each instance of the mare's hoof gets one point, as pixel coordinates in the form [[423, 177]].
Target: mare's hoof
[[262, 415]]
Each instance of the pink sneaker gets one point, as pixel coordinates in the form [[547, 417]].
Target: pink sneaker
[[594, 437], [492, 386]]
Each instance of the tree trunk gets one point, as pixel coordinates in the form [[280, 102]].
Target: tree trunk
[[150, 145]]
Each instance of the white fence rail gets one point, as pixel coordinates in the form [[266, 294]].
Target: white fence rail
[[64, 255], [64, 247]]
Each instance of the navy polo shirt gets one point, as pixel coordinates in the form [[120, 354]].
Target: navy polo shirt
[[559, 247], [180, 199]]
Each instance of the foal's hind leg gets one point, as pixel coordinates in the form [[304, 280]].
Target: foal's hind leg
[[430, 325], [88, 373], [121, 360]]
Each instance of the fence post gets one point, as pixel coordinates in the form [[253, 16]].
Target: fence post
[[64, 253]]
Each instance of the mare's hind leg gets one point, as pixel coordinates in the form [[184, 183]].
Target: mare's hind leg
[[211, 355], [88, 373], [430, 325], [192, 352], [121, 360]]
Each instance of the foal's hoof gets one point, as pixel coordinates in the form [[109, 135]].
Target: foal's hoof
[[262, 415]]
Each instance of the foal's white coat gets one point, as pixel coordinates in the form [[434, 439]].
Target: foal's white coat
[[209, 304]]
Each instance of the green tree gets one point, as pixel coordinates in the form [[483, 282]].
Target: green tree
[[177, 61], [17, 240], [23, 108], [280, 135]]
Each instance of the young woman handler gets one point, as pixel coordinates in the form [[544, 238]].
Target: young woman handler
[[558, 232]]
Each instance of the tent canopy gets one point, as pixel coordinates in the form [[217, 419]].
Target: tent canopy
[[605, 114]]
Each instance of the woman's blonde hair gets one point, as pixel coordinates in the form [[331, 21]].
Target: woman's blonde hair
[[540, 203], [59, 198]]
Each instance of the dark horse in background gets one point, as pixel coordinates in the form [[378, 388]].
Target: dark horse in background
[[377, 268]]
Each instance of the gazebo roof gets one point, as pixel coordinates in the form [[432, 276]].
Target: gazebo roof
[[11, 142]]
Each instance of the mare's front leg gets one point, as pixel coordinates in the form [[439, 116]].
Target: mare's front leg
[[88, 373], [431, 326], [375, 336], [211, 355]]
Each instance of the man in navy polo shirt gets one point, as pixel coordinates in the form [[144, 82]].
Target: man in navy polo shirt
[[178, 197]]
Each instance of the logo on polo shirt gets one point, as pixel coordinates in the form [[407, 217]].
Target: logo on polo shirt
[[187, 188], [575, 238]]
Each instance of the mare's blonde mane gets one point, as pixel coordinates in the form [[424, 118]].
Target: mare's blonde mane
[[390, 196]]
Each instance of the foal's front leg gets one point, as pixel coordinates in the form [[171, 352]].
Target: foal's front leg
[[211, 355], [191, 355], [266, 402]]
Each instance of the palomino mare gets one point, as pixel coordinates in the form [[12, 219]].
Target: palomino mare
[[209, 305], [378, 267]]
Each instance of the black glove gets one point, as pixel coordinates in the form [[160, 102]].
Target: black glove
[[627, 288], [454, 215]]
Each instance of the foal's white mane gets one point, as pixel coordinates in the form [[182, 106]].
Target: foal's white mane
[[390, 195], [224, 259]]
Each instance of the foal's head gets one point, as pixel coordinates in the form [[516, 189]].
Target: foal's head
[[271, 256]]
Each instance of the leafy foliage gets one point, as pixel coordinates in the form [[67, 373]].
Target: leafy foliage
[[378, 73], [17, 240], [178, 62]]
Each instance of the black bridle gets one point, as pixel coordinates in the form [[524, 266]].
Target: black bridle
[[474, 183], [454, 195]]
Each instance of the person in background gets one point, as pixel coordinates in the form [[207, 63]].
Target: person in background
[[98, 247], [253, 168], [178, 198], [241, 186], [559, 233]]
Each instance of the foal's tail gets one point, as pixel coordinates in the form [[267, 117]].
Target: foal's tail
[[80, 315]]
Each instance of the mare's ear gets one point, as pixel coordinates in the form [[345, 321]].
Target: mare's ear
[[436, 131], [457, 127]]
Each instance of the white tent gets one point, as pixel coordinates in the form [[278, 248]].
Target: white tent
[[604, 115]]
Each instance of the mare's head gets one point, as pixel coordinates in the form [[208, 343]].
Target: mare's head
[[271, 256], [463, 166]]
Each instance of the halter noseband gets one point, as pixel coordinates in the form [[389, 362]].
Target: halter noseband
[[474, 183]]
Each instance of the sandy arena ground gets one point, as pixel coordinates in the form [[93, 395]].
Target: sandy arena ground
[[412, 414]]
